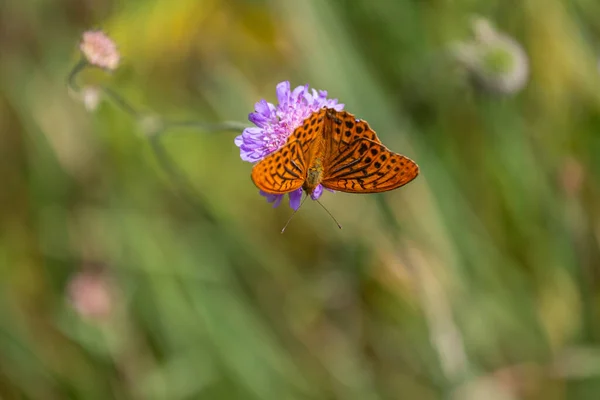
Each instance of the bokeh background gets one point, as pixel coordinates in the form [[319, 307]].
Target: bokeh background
[[133, 267]]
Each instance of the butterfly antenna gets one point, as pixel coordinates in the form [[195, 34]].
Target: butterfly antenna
[[330, 214], [294, 213]]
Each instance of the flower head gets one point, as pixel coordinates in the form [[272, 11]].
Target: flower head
[[275, 123], [99, 50], [496, 61]]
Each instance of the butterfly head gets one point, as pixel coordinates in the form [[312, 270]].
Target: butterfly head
[[332, 114]]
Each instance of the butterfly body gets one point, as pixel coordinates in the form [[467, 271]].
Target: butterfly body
[[336, 150], [314, 176]]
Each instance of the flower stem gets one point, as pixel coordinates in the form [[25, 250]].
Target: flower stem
[[226, 126], [120, 101], [182, 184], [184, 188], [72, 78]]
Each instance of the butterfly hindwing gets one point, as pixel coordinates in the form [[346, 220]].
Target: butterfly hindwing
[[282, 171], [367, 166]]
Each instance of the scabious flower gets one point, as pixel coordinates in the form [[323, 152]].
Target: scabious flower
[[275, 123], [99, 50], [494, 60]]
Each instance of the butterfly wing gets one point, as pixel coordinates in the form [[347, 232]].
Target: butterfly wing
[[343, 129], [366, 166], [310, 132], [357, 161], [282, 171], [285, 169]]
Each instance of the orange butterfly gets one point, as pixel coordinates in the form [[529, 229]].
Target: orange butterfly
[[338, 151]]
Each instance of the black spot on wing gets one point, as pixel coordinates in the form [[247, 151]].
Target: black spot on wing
[[363, 148]]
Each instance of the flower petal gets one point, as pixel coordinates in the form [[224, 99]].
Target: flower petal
[[277, 201], [238, 140], [283, 92], [262, 107], [298, 94], [317, 192], [258, 119], [264, 114], [295, 198], [253, 136], [272, 198]]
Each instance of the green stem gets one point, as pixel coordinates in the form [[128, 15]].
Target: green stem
[[120, 101], [72, 78], [180, 180], [184, 188], [227, 126]]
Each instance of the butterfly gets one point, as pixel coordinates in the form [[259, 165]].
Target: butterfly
[[338, 151]]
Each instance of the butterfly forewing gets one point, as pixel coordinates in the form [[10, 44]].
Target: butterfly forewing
[[346, 129], [310, 132], [284, 170]]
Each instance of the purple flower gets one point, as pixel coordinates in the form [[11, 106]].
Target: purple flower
[[274, 124]]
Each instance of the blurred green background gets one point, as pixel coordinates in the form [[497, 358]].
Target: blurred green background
[[119, 279]]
